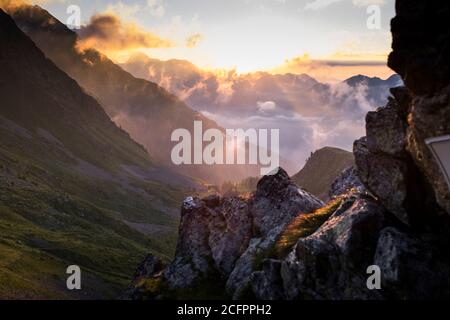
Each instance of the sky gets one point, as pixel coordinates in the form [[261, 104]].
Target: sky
[[279, 36]]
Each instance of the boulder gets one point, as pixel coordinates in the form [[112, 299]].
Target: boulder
[[332, 262], [347, 181], [411, 268], [221, 235]]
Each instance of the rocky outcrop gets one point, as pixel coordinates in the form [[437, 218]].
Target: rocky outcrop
[[394, 161], [412, 268], [347, 181], [219, 237], [420, 55]]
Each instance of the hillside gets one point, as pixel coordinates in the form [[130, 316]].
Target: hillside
[[145, 110], [321, 169], [72, 184]]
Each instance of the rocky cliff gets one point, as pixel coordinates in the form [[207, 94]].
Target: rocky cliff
[[270, 247]]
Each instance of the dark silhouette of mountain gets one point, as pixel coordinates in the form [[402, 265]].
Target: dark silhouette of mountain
[[321, 170], [145, 110], [74, 188], [393, 81]]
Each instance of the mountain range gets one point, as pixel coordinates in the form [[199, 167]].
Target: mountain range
[[148, 112], [309, 114]]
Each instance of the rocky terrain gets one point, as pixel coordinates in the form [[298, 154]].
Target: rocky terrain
[[399, 221]]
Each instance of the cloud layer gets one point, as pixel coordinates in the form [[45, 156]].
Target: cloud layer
[[310, 114]]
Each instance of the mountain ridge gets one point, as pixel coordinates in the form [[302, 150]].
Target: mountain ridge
[[148, 112], [321, 170]]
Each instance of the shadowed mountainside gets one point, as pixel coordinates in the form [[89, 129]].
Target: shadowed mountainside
[[145, 110], [70, 191], [321, 169]]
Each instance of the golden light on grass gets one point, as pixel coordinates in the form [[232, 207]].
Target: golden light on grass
[[304, 225]]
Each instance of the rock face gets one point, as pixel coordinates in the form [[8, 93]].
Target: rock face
[[393, 160], [420, 55], [220, 236], [347, 181]]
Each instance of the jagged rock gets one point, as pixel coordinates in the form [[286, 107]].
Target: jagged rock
[[420, 41], [268, 284], [420, 55], [223, 235], [411, 269], [277, 200], [384, 176], [347, 181], [210, 239], [386, 130], [230, 233], [332, 262]]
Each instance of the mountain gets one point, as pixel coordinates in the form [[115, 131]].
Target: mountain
[[377, 90], [145, 110], [321, 170], [74, 188]]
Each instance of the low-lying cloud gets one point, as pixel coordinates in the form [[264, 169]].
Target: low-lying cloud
[[310, 114]]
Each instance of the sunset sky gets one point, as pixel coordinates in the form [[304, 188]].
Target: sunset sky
[[312, 36]]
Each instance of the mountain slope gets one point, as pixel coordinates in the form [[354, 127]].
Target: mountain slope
[[321, 169], [145, 110], [70, 192]]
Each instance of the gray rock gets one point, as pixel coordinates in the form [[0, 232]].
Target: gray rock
[[386, 130], [331, 263], [411, 268], [384, 176], [223, 235], [268, 284], [347, 181]]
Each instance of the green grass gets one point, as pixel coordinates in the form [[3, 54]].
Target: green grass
[[53, 216], [211, 287]]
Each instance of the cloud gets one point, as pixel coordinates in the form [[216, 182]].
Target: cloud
[[334, 70], [193, 40], [266, 106], [108, 32]]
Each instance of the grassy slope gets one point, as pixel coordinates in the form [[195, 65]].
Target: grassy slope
[[63, 194], [322, 169], [52, 216]]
